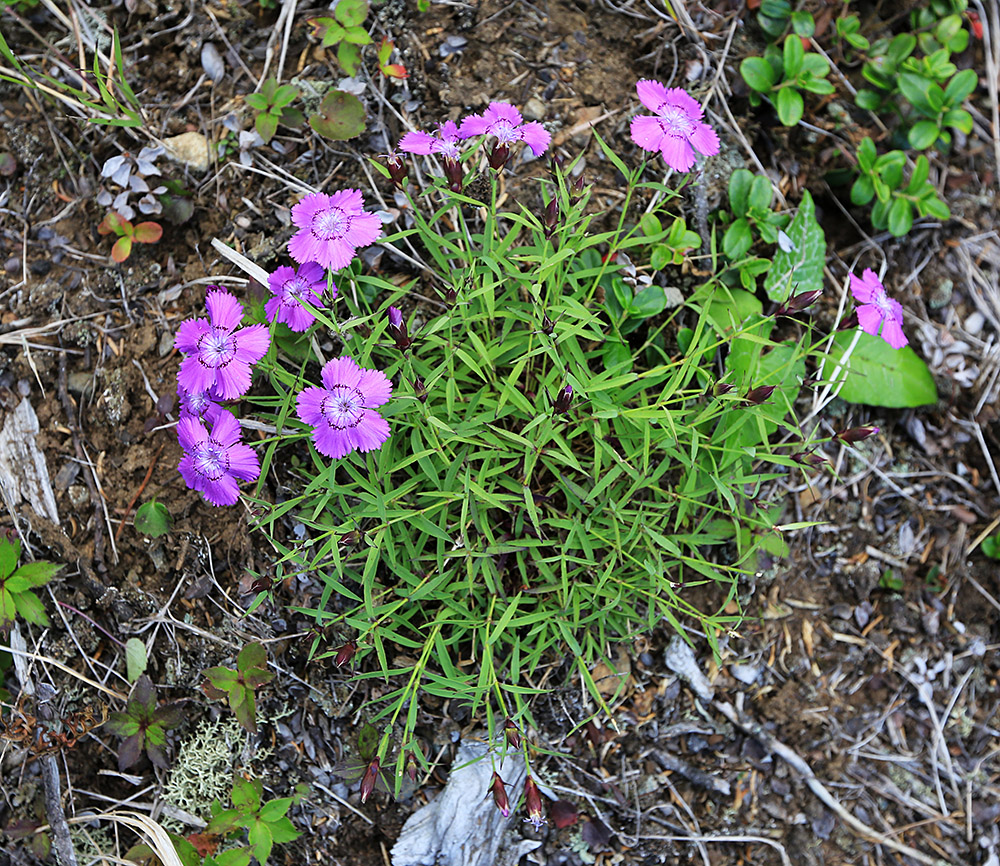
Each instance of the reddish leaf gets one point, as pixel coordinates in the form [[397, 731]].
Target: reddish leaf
[[204, 843], [394, 70], [563, 813], [595, 834], [130, 751], [115, 223], [122, 249], [148, 233]]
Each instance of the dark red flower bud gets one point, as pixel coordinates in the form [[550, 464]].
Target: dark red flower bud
[[411, 767], [397, 169], [397, 329], [533, 803], [500, 795], [723, 388], [345, 653], [756, 396], [513, 734], [807, 458], [369, 780], [563, 400], [551, 217], [577, 188], [456, 176], [548, 326], [420, 389], [849, 321], [797, 303], [498, 156], [856, 434]]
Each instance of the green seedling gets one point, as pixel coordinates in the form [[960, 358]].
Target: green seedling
[[143, 233], [939, 25], [272, 107], [344, 30], [849, 31], [991, 546], [781, 76], [389, 70], [671, 246], [239, 685], [144, 726], [265, 823], [153, 519], [16, 584], [882, 179]]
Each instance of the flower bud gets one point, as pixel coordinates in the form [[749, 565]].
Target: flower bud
[[420, 389], [849, 321], [807, 458], [369, 780], [797, 303], [498, 156], [856, 434], [533, 804], [756, 396], [513, 734], [397, 329], [563, 400], [411, 767], [500, 795], [397, 169], [548, 326], [345, 653], [551, 217], [722, 388], [577, 188], [456, 176]]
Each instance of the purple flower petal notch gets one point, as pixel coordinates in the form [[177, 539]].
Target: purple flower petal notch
[[878, 314], [504, 121], [218, 351], [678, 131], [341, 412], [331, 228], [214, 462], [289, 286]]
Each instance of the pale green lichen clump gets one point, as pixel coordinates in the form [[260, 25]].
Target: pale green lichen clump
[[203, 771]]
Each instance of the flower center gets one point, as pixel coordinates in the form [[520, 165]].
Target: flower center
[[330, 224], [195, 403], [881, 302], [675, 121], [293, 288], [343, 407], [216, 348], [505, 132], [211, 460]]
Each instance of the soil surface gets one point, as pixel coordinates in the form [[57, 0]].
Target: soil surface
[[853, 715]]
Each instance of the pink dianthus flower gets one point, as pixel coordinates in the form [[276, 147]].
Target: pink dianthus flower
[[213, 462], [504, 121], [678, 130], [332, 227], [341, 411], [288, 286], [877, 311], [219, 352], [445, 143]]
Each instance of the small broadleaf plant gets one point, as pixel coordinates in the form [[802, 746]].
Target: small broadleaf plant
[[144, 725], [344, 30], [389, 70], [16, 585], [265, 823], [239, 685], [272, 107], [143, 233]]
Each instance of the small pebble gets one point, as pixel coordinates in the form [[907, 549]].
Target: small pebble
[[534, 109], [12, 265], [974, 323]]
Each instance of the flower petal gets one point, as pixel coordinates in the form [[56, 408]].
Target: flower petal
[[308, 405], [474, 124], [376, 388], [499, 111], [190, 431], [870, 319], [704, 139], [195, 376], [362, 230], [224, 491], [448, 131], [341, 371], [536, 137], [233, 379], [892, 333], [348, 200], [297, 317], [306, 208], [677, 153], [243, 462], [652, 94], [422, 143], [226, 430], [370, 433], [189, 333], [331, 442], [647, 132], [224, 310], [305, 246], [252, 343], [678, 97]]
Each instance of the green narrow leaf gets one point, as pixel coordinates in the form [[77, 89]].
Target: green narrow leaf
[[135, 659]]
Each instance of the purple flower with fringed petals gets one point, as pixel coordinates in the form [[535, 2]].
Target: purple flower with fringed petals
[[877, 311], [679, 129], [220, 352], [288, 286], [445, 143], [198, 404], [341, 411], [504, 121], [213, 462], [332, 227]]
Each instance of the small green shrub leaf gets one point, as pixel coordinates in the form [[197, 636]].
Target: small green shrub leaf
[[341, 116], [758, 74]]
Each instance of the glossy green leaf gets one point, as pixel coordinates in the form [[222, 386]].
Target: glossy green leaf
[[790, 106], [804, 260], [878, 375], [758, 74]]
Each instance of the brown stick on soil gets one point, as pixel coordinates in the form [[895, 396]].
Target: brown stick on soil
[[138, 493]]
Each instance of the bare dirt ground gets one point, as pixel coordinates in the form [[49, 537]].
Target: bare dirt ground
[[853, 717]]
